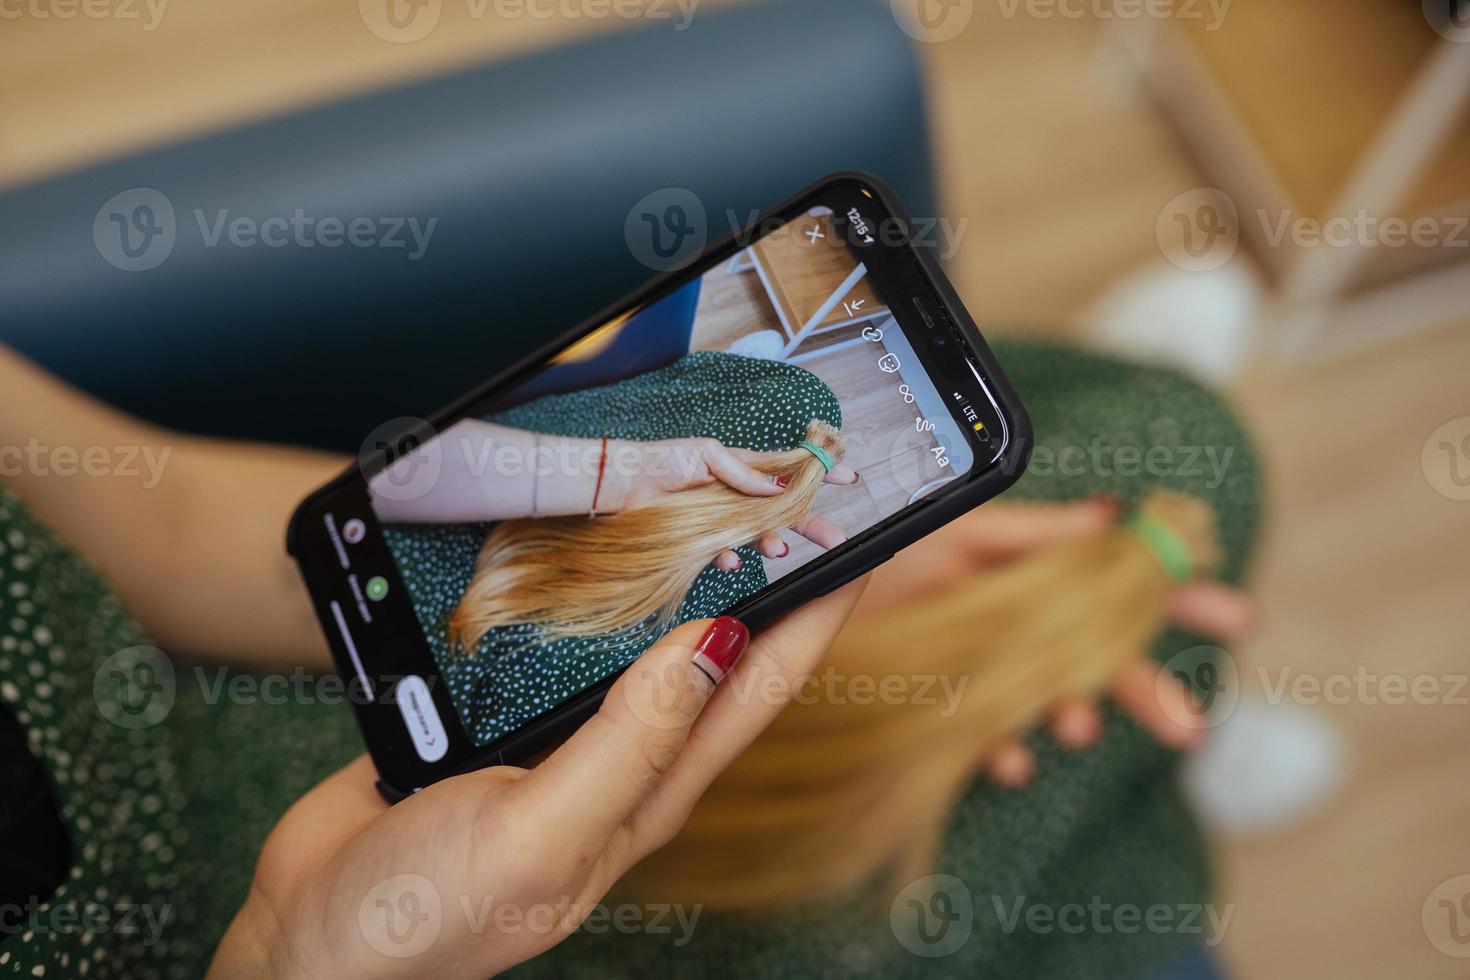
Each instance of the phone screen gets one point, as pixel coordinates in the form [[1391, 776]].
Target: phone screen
[[772, 405]]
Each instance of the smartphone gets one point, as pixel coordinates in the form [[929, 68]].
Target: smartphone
[[452, 567]]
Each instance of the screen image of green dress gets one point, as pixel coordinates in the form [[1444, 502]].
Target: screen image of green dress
[[168, 775], [511, 678]]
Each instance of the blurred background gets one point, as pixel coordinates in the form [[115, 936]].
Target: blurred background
[[1269, 194]]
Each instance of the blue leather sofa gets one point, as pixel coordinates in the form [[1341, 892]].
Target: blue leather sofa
[[529, 167]]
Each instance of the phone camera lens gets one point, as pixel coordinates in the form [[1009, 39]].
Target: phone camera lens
[[940, 341]]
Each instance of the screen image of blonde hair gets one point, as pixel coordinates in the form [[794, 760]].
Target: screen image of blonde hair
[[581, 576], [841, 791]]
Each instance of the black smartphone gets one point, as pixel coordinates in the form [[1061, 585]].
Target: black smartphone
[[441, 564]]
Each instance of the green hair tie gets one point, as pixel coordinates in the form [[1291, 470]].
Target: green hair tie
[[1166, 545], [818, 452]]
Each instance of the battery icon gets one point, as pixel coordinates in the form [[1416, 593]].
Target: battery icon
[[979, 426]]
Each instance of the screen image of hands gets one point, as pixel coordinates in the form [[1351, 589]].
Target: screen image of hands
[[482, 471]]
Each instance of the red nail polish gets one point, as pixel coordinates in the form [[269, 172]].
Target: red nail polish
[[1110, 504], [720, 647], [783, 481]]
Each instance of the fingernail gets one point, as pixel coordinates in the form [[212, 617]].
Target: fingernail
[[1192, 740], [782, 481], [785, 550], [720, 647], [857, 477], [1014, 770], [1110, 505], [1079, 732]]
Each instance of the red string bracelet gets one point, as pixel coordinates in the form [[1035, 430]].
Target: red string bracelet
[[601, 469]]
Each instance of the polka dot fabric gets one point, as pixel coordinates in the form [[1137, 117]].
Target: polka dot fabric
[[1103, 827], [175, 813], [743, 402], [119, 789]]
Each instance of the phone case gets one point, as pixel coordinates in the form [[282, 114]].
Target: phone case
[[898, 532]]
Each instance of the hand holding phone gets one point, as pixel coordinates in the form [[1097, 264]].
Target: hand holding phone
[[478, 873], [693, 452]]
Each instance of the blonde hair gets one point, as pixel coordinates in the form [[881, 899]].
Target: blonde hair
[[578, 576], [837, 792]]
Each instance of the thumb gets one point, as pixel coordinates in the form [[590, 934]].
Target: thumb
[[593, 783], [732, 471], [1009, 529]]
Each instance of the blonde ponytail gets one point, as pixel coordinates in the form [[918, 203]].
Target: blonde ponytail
[[578, 576], [837, 791]]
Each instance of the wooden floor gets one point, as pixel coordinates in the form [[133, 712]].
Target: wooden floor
[[874, 417], [1362, 563], [1060, 176]]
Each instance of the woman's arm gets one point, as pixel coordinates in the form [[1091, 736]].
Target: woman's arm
[[481, 471], [189, 531], [546, 843]]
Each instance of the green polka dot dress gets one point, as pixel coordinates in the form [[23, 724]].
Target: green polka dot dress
[[167, 802], [118, 786], [743, 402], [166, 787]]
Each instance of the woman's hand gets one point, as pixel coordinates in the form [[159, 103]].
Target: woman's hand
[[480, 872], [1000, 532], [667, 467]]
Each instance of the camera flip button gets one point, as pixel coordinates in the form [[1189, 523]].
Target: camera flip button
[[425, 726]]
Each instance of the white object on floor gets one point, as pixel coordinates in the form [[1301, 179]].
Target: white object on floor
[[764, 344], [1202, 323], [1266, 767]]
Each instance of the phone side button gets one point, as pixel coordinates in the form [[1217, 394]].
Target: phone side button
[[422, 719], [865, 569]]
